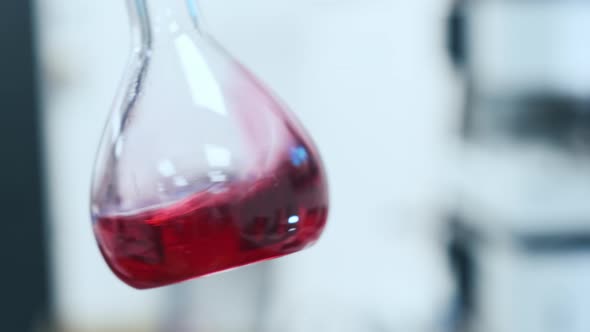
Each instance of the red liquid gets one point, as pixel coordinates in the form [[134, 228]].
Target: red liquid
[[216, 231]]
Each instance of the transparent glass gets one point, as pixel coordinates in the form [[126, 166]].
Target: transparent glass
[[201, 169]]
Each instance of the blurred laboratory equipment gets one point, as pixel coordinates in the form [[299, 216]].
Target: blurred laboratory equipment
[[519, 230]]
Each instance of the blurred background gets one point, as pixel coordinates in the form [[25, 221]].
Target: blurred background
[[455, 135]]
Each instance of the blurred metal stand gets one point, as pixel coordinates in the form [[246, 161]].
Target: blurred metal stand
[[24, 285], [519, 226]]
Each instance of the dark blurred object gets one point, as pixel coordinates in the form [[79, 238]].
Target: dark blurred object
[[463, 268], [546, 116], [23, 282], [469, 253], [455, 36], [560, 121], [517, 237]]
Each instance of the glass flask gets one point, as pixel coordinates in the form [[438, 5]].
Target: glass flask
[[200, 169]]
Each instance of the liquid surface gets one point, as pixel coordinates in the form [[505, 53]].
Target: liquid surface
[[219, 229]]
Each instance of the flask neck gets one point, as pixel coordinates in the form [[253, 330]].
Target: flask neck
[[152, 19]]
